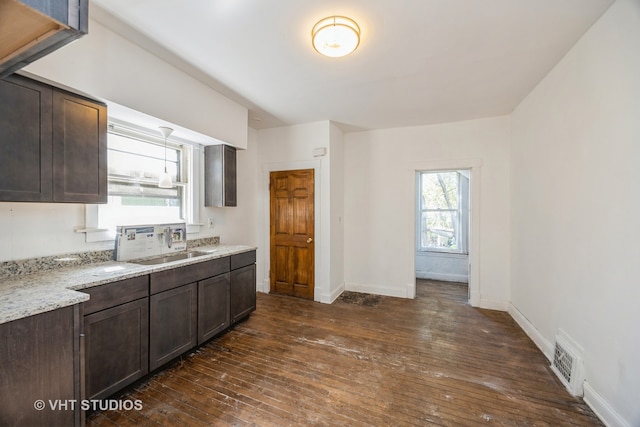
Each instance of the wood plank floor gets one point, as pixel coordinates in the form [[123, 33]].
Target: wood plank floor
[[378, 361]]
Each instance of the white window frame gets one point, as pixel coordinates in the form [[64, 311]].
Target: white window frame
[[462, 213], [189, 179]]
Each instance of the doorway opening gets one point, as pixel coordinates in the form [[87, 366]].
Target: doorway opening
[[471, 169], [442, 225]]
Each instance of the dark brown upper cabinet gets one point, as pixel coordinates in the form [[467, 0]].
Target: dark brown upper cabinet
[[31, 29], [220, 176], [53, 144], [79, 149], [26, 165]]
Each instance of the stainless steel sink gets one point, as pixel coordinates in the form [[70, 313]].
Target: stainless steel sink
[[170, 258]]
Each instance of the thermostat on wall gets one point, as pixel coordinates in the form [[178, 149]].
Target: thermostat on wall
[[319, 152]]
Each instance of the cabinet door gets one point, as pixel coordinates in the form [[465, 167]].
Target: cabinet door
[[230, 179], [116, 347], [25, 140], [79, 149], [242, 292], [173, 324], [39, 363], [220, 176], [213, 306]]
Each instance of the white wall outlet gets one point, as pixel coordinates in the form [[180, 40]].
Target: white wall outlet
[[211, 223]]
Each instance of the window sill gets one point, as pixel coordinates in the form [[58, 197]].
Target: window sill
[[94, 234], [442, 253]]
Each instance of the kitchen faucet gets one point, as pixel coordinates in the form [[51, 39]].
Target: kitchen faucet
[[168, 236]]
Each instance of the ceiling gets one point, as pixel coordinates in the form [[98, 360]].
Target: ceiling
[[419, 61]]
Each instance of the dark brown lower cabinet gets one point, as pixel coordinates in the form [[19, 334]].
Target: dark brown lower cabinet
[[40, 369], [116, 347], [242, 295], [172, 324], [213, 306]]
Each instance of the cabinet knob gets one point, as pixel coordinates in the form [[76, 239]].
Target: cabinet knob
[[309, 240]]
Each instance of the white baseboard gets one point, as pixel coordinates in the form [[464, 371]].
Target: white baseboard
[[597, 403], [543, 344], [464, 278], [494, 305], [601, 407], [336, 293], [333, 295], [371, 289]]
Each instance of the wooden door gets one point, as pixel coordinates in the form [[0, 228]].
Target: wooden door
[[292, 232]]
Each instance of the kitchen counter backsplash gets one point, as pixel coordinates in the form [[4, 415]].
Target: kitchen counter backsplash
[[36, 265], [205, 241]]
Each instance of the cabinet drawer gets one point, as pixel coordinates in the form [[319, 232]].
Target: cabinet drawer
[[169, 279], [116, 293], [243, 259]]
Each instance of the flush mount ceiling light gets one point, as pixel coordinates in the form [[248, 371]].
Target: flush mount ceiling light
[[165, 178], [335, 36]]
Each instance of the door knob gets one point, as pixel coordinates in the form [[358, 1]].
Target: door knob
[[309, 240]]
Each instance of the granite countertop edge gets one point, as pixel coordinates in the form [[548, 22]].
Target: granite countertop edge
[[30, 294]]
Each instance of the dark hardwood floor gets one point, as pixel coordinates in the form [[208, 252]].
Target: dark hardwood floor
[[361, 361]]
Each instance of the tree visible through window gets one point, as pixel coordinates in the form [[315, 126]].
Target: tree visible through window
[[442, 211]]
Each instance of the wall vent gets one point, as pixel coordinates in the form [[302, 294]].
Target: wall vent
[[567, 363]]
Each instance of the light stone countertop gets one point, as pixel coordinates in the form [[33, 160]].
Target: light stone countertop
[[29, 294]]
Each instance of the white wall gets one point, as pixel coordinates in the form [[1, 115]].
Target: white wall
[[444, 266], [336, 212], [107, 66], [380, 202], [575, 169], [32, 230]]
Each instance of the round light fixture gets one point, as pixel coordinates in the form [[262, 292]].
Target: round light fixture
[[335, 36]]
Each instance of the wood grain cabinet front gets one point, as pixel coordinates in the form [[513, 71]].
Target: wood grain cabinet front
[[242, 295], [25, 141], [172, 324], [116, 347], [213, 306], [220, 182], [40, 367], [79, 149], [53, 144], [116, 331]]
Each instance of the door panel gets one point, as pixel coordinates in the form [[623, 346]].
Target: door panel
[[292, 232]]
